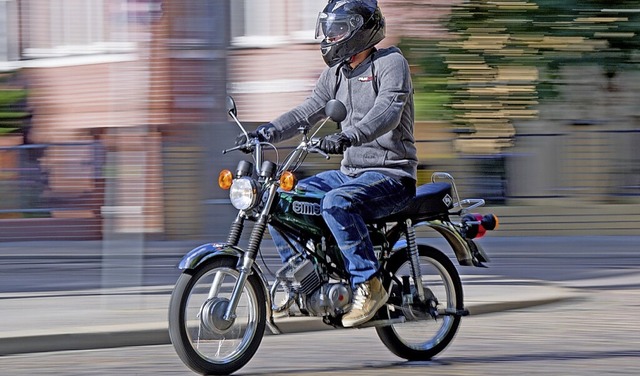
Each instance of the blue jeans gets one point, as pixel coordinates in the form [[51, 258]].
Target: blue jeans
[[347, 204]]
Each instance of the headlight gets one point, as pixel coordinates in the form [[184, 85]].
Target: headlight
[[243, 193]]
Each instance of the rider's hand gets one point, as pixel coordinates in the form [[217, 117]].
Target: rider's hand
[[334, 143], [241, 139], [263, 133]]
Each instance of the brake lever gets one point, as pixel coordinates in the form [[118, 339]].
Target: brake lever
[[246, 148], [315, 149]]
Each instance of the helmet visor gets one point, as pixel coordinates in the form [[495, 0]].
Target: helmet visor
[[337, 27]]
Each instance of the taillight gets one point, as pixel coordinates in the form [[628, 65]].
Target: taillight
[[476, 225]]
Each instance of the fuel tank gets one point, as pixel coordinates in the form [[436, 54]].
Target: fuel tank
[[302, 211]]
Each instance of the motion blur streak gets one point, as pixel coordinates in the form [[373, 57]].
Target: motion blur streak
[[111, 123]]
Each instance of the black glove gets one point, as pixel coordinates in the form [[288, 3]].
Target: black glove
[[264, 133], [241, 139], [334, 143]]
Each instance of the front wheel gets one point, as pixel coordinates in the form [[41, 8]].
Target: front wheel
[[429, 326], [202, 338]]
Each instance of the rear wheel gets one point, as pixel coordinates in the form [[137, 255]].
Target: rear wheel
[[424, 334], [202, 338]]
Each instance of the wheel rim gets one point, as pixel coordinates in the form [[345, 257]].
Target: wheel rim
[[435, 279], [210, 336]]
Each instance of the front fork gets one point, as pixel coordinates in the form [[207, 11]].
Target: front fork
[[245, 264]]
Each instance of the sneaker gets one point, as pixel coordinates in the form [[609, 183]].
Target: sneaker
[[370, 296]]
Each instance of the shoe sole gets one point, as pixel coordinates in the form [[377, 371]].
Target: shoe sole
[[376, 308]]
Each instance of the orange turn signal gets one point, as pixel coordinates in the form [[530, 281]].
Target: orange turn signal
[[225, 179], [287, 181]]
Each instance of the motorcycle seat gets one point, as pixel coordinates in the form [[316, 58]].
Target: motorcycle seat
[[431, 200]]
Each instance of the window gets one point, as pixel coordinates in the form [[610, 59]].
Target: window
[[309, 10], [266, 23], [8, 32], [254, 23], [53, 28]]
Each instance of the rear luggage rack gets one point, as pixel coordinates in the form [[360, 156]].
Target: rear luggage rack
[[460, 207]]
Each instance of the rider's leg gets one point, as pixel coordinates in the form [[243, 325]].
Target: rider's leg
[[283, 248], [322, 182], [369, 196], [289, 248]]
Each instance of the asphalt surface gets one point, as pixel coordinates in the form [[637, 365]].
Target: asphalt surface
[[593, 335], [52, 319]]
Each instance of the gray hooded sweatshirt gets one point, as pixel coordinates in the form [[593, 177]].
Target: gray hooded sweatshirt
[[379, 122]]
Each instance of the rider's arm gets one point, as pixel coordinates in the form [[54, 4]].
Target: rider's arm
[[394, 80], [308, 112]]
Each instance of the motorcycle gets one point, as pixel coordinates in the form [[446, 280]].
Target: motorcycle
[[222, 303]]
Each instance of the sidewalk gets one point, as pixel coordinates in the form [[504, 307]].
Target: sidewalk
[[39, 322]]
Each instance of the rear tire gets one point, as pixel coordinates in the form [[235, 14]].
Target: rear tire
[[424, 338], [202, 339]]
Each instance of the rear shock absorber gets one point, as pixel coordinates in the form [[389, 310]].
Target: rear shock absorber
[[412, 249]]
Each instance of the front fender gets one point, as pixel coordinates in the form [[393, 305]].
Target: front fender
[[204, 252]]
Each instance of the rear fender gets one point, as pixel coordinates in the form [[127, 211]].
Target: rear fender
[[466, 250]]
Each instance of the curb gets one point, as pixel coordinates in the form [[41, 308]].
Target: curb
[[157, 333], [84, 341]]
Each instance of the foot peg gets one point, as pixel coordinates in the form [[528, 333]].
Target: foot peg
[[455, 312]]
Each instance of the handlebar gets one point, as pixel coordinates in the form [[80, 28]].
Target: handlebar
[[239, 147], [246, 148], [254, 145]]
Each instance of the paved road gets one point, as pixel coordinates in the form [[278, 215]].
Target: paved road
[[61, 266], [597, 334]]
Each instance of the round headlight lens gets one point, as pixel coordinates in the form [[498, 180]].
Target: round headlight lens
[[243, 193]]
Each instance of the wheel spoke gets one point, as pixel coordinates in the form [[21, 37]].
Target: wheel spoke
[[425, 333], [221, 342], [203, 339]]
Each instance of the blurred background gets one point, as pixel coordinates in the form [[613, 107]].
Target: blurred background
[[112, 116]]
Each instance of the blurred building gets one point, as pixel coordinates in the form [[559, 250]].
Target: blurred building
[[126, 102], [274, 59], [127, 112]]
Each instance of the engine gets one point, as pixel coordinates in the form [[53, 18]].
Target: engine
[[329, 299], [316, 293]]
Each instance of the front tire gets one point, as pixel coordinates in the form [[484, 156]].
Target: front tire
[[422, 337], [203, 340]]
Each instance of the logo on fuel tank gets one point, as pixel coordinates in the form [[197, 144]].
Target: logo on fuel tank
[[307, 208]]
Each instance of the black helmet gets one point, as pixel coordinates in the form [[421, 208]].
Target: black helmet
[[349, 27]]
